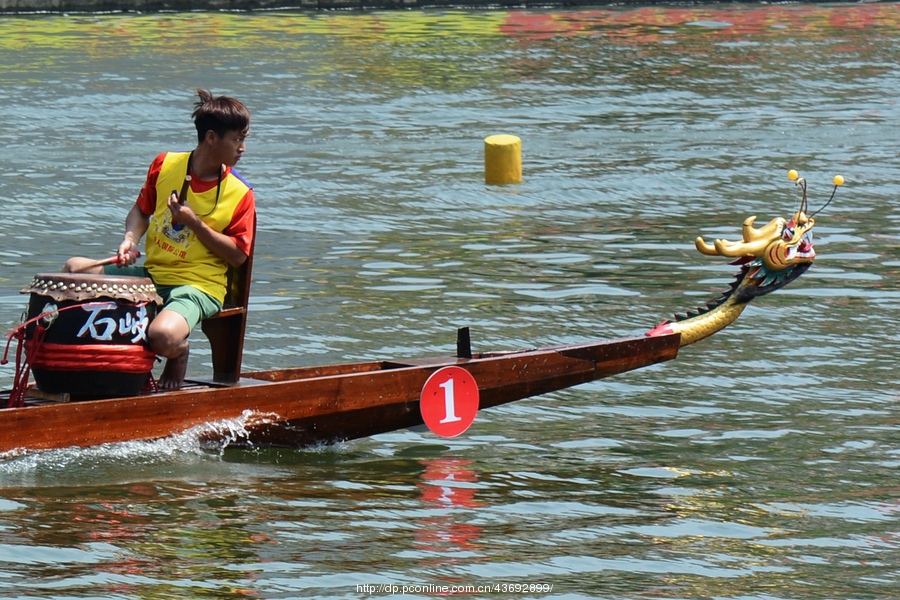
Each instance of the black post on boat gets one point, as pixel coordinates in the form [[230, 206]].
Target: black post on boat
[[463, 343]]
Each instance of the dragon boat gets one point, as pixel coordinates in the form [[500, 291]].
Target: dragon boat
[[87, 394]]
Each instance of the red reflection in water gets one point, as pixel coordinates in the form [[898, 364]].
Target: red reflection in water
[[651, 24], [448, 484]]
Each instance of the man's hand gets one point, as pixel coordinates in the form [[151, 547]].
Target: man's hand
[[128, 251], [182, 213]]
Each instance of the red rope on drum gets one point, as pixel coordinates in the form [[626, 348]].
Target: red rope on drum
[[151, 386], [120, 358], [23, 364], [27, 351]]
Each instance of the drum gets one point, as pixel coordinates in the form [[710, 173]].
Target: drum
[[86, 335]]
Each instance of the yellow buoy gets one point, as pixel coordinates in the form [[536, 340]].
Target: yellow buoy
[[502, 159]]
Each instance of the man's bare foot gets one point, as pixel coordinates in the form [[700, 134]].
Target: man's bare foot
[[173, 373]]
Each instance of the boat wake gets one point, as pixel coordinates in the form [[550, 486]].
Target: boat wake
[[196, 444]]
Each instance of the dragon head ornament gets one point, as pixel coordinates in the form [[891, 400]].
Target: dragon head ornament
[[770, 257]]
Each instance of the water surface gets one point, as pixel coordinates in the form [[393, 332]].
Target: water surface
[[762, 464]]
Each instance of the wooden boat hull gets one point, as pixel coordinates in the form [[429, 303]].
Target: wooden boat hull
[[320, 405]]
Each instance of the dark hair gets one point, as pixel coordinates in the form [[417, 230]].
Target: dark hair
[[219, 114]]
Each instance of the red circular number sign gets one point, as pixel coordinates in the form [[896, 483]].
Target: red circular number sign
[[449, 401]]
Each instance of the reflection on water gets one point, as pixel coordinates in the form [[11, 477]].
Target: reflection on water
[[448, 484], [762, 463]]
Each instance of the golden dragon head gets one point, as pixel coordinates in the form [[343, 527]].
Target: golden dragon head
[[771, 257], [780, 243]]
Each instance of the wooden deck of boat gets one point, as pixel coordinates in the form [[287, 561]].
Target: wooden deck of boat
[[37, 397], [617, 355]]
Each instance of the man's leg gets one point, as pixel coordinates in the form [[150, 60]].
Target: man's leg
[[168, 332], [168, 336]]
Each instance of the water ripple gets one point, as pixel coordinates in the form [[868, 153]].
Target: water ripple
[[761, 463]]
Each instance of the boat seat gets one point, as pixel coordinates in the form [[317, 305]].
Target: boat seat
[[225, 330]]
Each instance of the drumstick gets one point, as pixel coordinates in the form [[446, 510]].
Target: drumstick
[[182, 198], [106, 261]]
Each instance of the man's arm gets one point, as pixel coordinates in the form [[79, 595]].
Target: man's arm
[[136, 225]]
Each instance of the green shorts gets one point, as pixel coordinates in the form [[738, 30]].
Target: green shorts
[[186, 300]]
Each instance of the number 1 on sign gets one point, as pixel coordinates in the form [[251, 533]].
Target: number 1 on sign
[[449, 401], [449, 406]]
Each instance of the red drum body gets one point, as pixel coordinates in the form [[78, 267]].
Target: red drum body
[[87, 334]]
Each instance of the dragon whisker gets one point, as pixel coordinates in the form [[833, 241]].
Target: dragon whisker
[[833, 192]]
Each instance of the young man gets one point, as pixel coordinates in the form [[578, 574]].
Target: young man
[[199, 216]]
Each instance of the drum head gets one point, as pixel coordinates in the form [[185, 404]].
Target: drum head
[[82, 286]]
